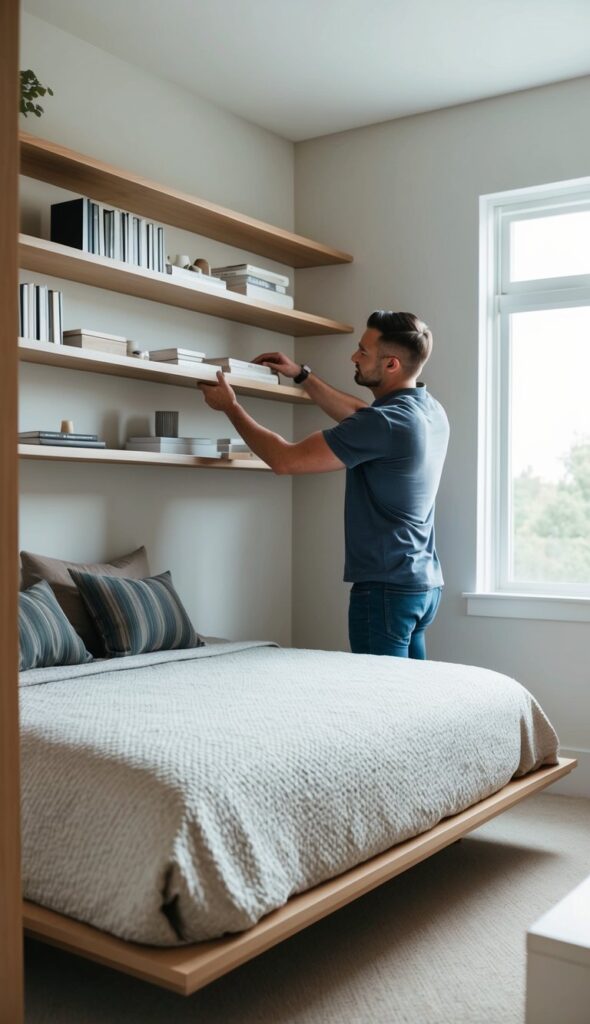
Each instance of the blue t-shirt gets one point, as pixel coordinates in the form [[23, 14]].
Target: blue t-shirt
[[394, 452]]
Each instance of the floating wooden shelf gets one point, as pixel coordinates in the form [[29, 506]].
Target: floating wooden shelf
[[101, 272], [50, 162], [59, 453], [70, 358]]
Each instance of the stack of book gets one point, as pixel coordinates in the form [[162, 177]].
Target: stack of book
[[92, 227], [241, 368], [256, 283], [204, 447], [57, 437], [97, 341], [177, 356], [191, 279], [40, 313], [235, 447]]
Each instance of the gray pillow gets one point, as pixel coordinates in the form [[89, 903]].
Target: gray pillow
[[137, 616], [56, 573], [45, 636]]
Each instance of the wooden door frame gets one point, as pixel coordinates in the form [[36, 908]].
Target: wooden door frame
[[11, 961]]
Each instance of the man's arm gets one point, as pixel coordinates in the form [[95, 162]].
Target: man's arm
[[336, 404], [312, 455]]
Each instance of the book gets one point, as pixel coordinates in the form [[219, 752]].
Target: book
[[111, 348], [112, 344], [66, 442], [238, 364], [190, 277], [251, 271], [248, 279], [174, 445], [71, 223], [56, 434], [94, 334], [168, 354], [251, 291], [55, 302], [23, 294], [42, 299]]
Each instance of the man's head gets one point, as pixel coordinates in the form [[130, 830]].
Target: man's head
[[392, 351]]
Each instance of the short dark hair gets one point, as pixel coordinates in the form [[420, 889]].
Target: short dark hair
[[404, 329]]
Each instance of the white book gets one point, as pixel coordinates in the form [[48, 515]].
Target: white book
[[238, 364], [177, 353], [135, 241], [32, 308], [251, 271], [143, 244], [161, 250], [117, 239], [55, 316], [252, 291], [191, 277]]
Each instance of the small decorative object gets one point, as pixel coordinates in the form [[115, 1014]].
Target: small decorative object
[[202, 267], [67, 427], [166, 424], [136, 352], [182, 261], [31, 89]]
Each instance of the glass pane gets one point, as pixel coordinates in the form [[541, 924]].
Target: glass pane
[[550, 446], [556, 246]]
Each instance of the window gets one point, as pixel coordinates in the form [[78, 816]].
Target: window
[[534, 471]]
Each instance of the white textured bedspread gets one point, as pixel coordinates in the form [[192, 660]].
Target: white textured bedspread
[[173, 797]]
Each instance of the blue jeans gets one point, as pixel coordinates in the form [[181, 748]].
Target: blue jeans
[[382, 620]]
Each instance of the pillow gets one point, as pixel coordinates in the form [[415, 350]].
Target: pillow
[[39, 567], [45, 636], [136, 616]]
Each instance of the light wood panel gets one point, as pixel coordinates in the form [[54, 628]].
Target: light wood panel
[[187, 968], [11, 996], [122, 457], [69, 358], [116, 276], [53, 163]]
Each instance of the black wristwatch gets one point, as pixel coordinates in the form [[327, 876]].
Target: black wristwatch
[[303, 375]]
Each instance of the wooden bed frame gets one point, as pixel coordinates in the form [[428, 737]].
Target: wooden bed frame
[[185, 969]]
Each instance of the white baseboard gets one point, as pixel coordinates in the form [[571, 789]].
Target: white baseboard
[[577, 783]]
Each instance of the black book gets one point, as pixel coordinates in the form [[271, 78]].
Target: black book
[[71, 223], [55, 435]]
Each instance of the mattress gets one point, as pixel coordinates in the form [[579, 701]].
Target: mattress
[[174, 797]]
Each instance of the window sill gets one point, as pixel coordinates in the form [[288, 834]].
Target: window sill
[[529, 606]]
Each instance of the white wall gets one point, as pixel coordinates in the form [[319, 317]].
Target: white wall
[[403, 198], [224, 535]]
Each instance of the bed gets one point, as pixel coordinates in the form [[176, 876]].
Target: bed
[[183, 811]]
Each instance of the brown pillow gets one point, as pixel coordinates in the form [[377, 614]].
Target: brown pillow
[[39, 567]]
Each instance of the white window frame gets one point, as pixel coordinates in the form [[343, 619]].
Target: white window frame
[[498, 298]]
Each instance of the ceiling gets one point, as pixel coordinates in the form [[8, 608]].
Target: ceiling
[[303, 68]]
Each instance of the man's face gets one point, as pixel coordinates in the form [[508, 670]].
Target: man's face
[[368, 360]]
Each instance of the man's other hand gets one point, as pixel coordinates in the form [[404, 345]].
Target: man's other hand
[[279, 363], [219, 396]]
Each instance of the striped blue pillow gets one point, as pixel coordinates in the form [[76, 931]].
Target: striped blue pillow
[[45, 636], [136, 616]]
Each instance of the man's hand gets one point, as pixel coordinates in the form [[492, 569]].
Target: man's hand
[[279, 363], [219, 396]]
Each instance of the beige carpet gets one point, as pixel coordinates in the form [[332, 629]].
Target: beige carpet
[[442, 944]]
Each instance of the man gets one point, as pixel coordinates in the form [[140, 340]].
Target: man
[[393, 451]]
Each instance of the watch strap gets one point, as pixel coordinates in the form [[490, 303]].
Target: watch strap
[[303, 375]]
